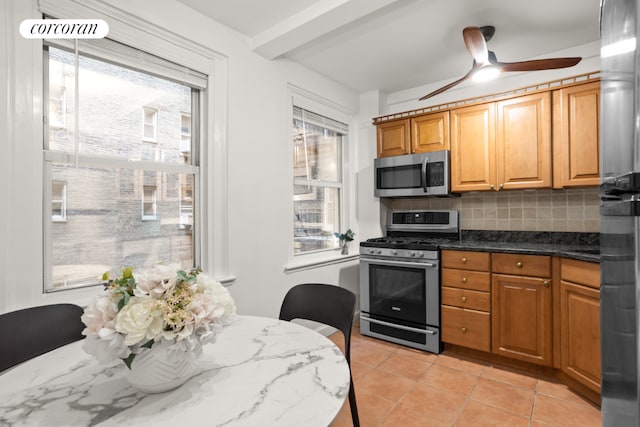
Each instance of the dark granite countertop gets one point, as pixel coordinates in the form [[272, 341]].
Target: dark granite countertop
[[579, 246]]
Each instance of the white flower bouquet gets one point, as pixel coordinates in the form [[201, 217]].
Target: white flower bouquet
[[183, 309]]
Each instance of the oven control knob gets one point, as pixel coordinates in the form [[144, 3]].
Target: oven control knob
[[420, 254], [394, 252], [378, 251], [412, 253]]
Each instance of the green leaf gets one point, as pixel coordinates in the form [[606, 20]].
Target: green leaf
[[120, 304], [129, 360], [148, 344]]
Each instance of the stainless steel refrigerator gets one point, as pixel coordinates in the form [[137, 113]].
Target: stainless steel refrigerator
[[620, 212]]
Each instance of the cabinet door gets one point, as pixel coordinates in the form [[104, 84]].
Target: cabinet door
[[430, 132], [523, 142], [473, 151], [576, 142], [580, 333], [393, 138], [521, 318]]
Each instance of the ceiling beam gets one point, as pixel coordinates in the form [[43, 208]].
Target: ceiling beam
[[314, 22]]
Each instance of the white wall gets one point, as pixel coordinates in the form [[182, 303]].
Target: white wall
[[259, 205], [260, 180]]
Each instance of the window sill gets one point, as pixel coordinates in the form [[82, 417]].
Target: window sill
[[293, 267]]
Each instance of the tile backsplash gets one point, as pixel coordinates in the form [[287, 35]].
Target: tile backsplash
[[575, 210]]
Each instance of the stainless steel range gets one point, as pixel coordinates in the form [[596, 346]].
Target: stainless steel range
[[400, 278]]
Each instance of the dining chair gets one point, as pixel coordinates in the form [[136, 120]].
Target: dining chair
[[33, 331], [330, 305]]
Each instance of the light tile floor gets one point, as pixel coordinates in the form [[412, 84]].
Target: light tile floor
[[399, 386]]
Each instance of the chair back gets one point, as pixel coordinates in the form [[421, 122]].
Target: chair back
[[327, 304], [33, 331]]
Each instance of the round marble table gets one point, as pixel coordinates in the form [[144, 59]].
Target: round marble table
[[259, 372]]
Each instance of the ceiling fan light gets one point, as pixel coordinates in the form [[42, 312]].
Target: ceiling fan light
[[486, 73]]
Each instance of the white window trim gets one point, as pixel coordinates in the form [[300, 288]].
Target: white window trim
[[25, 73], [153, 201], [154, 124], [63, 217], [310, 101]]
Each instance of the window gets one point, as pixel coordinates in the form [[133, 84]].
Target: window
[[57, 106], [58, 201], [149, 125], [318, 180], [185, 134], [149, 202], [103, 181]]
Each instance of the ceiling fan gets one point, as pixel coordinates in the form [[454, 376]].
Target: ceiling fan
[[486, 65]]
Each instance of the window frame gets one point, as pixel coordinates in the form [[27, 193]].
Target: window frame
[[153, 124], [63, 201], [138, 32], [322, 106], [153, 202]]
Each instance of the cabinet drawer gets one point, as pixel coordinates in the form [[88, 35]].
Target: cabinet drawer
[[467, 328], [466, 260], [582, 272], [465, 298], [475, 280], [522, 265]]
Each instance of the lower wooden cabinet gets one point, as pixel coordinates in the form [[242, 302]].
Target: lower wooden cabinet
[[580, 323], [521, 318], [467, 328], [531, 308]]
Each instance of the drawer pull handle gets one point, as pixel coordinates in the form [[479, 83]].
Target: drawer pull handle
[[464, 330], [519, 264], [464, 279], [464, 299], [464, 260], [546, 283], [491, 186]]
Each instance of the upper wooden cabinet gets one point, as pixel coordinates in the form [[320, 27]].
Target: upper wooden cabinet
[[430, 132], [502, 145], [523, 138], [473, 149], [394, 138], [576, 143], [420, 134]]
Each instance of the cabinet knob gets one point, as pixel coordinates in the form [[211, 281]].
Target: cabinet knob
[[464, 330], [492, 187], [546, 283], [501, 186], [464, 299], [519, 264], [464, 260], [464, 279]]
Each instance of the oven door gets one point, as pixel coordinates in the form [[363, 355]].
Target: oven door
[[400, 302], [408, 292]]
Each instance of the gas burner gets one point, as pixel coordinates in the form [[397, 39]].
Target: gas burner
[[429, 244]]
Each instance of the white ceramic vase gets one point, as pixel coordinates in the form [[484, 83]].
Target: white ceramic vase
[[160, 369]]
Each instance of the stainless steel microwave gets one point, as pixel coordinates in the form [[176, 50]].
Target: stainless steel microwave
[[425, 174]]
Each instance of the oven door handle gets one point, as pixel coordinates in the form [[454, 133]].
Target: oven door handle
[[398, 263], [394, 325]]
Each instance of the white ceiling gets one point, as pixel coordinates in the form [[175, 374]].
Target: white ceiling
[[393, 45]]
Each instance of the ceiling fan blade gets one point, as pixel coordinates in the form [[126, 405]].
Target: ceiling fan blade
[[539, 64], [476, 44], [449, 86]]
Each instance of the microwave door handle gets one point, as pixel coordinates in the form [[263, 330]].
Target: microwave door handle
[[423, 176]]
